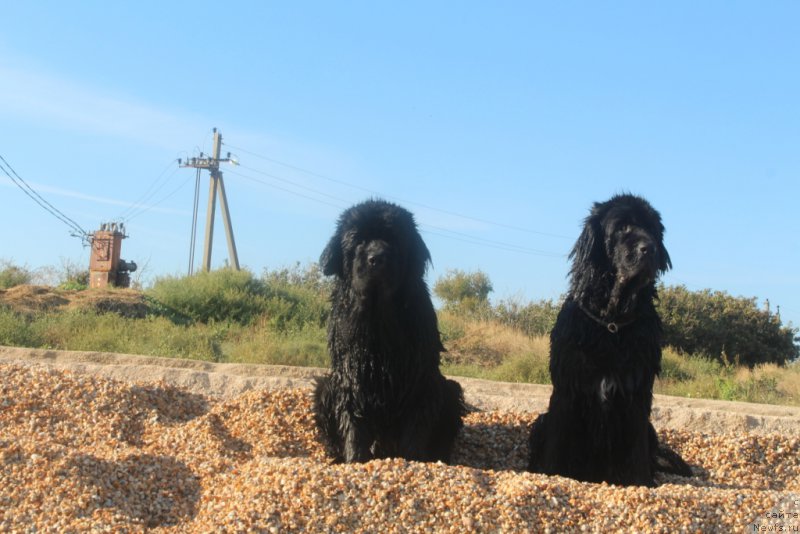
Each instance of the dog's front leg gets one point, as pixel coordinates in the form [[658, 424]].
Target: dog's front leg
[[415, 440], [358, 440]]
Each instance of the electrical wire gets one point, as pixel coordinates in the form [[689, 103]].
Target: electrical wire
[[78, 231], [286, 190], [165, 197], [475, 240], [495, 245], [293, 184], [148, 194], [428, 228], [411, 202]]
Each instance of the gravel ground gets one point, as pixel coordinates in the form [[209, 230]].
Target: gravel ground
[[81, 452]]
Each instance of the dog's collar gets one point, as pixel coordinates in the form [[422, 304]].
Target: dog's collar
[[612, 326]]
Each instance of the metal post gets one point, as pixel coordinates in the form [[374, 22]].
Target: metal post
[[212, 204], [226, 221], [193, 242], [215, 185]]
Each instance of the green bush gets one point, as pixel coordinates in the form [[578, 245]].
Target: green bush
[[725, 328], [290, 299], [297, 298], [464, 292], [221, 295], [12, 275], [72, 276]]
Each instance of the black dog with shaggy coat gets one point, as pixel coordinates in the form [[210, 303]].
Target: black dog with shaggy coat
[[385, 396], [605, 352]]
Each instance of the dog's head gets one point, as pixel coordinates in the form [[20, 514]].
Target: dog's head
[[624, 237], [376, 249]]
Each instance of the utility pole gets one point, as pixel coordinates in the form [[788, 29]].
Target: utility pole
[[216, 187]]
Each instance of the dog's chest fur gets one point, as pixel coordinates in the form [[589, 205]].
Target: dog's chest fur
[[613, 368], [379, 359]]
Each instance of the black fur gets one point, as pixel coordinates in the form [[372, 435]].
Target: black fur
[[598, 425], [385, 396]]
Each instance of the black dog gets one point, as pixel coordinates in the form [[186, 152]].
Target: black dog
[[385, 396], [605, 352]]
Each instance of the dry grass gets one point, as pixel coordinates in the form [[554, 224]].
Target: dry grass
[[697, 377], [259, 344], [481, 342], [488, 349], [32, 299]]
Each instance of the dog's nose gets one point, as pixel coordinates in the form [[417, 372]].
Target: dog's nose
[[377, 253], [646, 249], [376, 259]]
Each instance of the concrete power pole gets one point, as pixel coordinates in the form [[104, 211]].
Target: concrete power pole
[[216, 186]]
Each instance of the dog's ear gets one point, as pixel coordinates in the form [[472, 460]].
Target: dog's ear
[[331, 260], [666, 263], [589, 249], [420, 256]]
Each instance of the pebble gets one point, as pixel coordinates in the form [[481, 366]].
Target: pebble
[[86, 453]]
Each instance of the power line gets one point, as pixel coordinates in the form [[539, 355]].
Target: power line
[[148, 194], [428, 228], [475, 240], [36, 197], [149, 207], [404, 201], [262, 182], [496, 245], [295, 184]]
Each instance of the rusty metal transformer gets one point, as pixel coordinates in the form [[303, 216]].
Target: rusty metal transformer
[[105, 266]]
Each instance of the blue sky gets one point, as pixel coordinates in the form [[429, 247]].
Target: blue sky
[[497, 124]]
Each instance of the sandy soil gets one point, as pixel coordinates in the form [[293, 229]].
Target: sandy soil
[[230, 380]]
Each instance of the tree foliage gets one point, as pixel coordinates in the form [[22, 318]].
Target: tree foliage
[[464, 291], [725, 328], [13, 275]]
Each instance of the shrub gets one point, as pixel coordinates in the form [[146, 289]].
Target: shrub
[[221, 295], [297, 297], [725, 328], [533, 318], [71, 276], [467, 292], [13, 275]]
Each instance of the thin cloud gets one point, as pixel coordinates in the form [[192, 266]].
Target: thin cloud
[[65, 104], [41, 188]]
